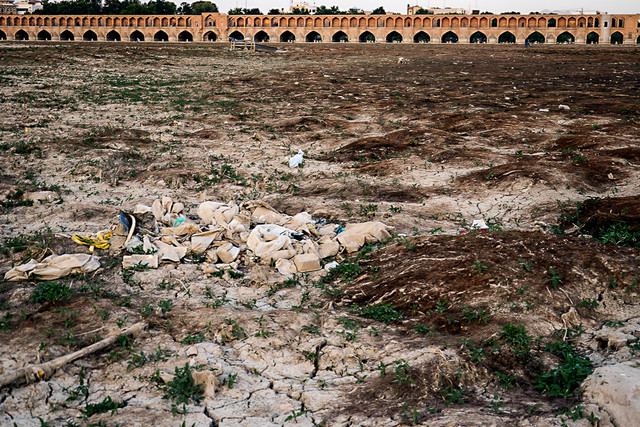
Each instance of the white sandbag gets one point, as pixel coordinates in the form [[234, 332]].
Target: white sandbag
[[356, 235], [53, 267], [201, 241]]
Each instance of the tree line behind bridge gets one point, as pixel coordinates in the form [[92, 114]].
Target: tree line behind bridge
[[124, 7]]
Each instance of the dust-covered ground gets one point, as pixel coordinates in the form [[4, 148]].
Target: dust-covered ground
[[440, 325]]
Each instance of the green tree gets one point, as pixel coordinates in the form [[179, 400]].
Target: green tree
[[379, 11], [199, 7]]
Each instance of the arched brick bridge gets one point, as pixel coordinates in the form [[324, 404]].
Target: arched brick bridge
[[602, 28]]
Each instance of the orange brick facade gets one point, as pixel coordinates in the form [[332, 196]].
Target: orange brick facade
[[580, 29]]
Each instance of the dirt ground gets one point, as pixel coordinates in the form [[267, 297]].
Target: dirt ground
[[440, 325]]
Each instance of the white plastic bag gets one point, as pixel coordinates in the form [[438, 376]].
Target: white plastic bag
[[296, 160]]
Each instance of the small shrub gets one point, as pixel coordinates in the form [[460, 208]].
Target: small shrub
[[182, 388]]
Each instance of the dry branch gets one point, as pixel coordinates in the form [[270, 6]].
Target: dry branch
[[41, 371]]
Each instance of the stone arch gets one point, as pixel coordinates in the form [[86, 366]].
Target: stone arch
[[21, 35], [2, 21], [565, 37], [165, 22], [140, 22], [494, 23], [136, 36], [335, 22], [308, 22], [507, 37], [291, 22], [593, 38], [313, 36], [340, 36], [39, 21], [261, 37], [394, 37], [44, 35], [287, 37], [522, 22], [181, 22], [77, 23], [3, 35], [160, 36], [536, 37], [113, 36], [185, 36], [366, 37], [109, 21], [67, 35], [421, 37], [638, 40], [551, 23], [209, 36], [85, 22], [236, 35], [562, 22], [435, 23], [257, 22], [449, 37], [478, 37], [90, 36], [617, 38]]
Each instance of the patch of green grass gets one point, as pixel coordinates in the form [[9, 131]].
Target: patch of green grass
[[52, 292], [380, 312], [105, 406]]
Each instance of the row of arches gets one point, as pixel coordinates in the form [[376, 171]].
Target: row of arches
[[420, 21], [106, 21], [135, 36], [423, 37], [314, 36]]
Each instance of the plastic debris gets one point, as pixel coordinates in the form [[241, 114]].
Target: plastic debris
[[100, 241], [296, 160], [564, 107]]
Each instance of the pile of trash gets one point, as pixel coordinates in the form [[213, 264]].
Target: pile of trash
[[225, 236]]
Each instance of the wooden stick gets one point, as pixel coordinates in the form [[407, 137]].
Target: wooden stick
[[39, 372]]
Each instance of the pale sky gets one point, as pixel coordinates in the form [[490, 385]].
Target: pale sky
[[497, 6]]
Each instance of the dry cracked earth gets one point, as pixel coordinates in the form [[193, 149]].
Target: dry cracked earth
[[435, 326]]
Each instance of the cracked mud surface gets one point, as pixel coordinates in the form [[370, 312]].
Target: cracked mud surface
[[456, 134]]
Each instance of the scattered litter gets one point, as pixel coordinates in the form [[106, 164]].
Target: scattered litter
[[564, 107], [544, 110], [296, 160], [150, 261], [330, 266], [53, 267], [479, 224]]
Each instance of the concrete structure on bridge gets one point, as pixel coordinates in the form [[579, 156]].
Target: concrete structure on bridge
[[580, 29]]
